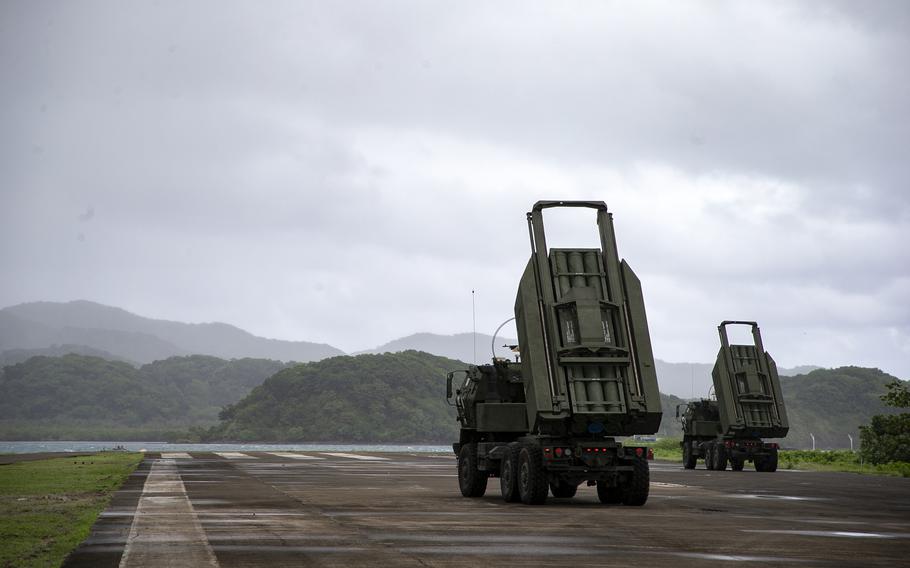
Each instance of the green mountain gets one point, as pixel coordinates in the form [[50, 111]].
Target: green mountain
[[394, 397], [39, 325], [832, 403], [77, 396]]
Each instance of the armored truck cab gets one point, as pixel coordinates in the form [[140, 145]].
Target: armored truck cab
[[749, 407], [586, 375]]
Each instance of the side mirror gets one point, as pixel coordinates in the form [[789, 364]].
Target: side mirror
[[449, 385]]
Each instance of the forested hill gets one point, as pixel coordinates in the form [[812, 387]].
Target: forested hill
[[832, 403], [85, 397], [393, 397]]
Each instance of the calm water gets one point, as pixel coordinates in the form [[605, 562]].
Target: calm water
[[33, 447]]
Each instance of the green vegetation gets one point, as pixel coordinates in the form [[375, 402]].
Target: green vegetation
[[817, 460], [832, 403], [394, 397], [47, 507], [667, 448], [78, 396], [838, 460], [887, 438]]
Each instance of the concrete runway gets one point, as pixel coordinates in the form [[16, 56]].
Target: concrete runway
[[340, 509]]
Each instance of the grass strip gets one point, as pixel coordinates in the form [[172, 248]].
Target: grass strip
[[810, 460], [48, 507]]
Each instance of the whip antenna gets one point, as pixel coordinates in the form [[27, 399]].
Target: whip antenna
[[474, 326]]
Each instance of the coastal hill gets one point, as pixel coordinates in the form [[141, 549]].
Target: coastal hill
[[90, 326]]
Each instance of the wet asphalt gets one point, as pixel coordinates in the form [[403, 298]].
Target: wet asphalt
[[320, 509]]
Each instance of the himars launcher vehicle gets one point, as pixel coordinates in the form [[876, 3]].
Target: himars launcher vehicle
[[749, 407], [586, 374]]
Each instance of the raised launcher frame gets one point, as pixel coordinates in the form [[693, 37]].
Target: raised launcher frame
[[747, 387], [583, 337]]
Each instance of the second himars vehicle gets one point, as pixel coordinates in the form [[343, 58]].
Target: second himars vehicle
[[749, 406], [586, 376]]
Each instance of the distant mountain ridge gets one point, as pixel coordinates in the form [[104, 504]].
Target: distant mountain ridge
[[124, 335], [466, 347]]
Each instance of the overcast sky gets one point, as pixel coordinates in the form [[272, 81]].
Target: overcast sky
[[347, 172]]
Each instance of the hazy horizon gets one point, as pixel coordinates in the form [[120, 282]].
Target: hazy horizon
[[349, 172]]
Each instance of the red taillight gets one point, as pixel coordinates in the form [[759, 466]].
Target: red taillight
[[559, 452], [596, 449], [603, 449], [546, 450], [650, 454], [639, 451], [588, 450]]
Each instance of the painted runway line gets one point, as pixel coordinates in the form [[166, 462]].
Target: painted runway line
[[355, 456], [165, 529], [295, 456], [176, 455], [235, 456]]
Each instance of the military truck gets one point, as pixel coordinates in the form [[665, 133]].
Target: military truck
[[586, 375], [748, 408]]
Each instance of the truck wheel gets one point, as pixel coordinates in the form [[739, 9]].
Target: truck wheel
[[508, 474], [471, 481], [737, 464], [689, 458], [720, 458], [636, 493], [709, 456], [609, 495], [563, 490], [767, 463], [532, 480]]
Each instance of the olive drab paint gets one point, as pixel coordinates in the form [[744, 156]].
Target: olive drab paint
[[583, 336], [586, 374]]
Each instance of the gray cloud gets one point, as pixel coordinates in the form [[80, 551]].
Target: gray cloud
[[348, 172]]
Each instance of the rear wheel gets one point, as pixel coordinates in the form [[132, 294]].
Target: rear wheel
[[609, 495], [532, 480], [767, 463], [720, 458], [563, 490], [636, 493], [689, 459], [471, 481], [508, 474]]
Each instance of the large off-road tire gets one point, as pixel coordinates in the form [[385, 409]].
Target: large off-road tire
[[737, 464], [508, 474], [471, 481], [720, 458], [767, 463], [638, 487], [689, 457], [609, 495], [563, 490], [532, 479], [709, 456]]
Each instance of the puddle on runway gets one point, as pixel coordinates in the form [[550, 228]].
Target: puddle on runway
[[778, 497], [736, 557], [836, 534]]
